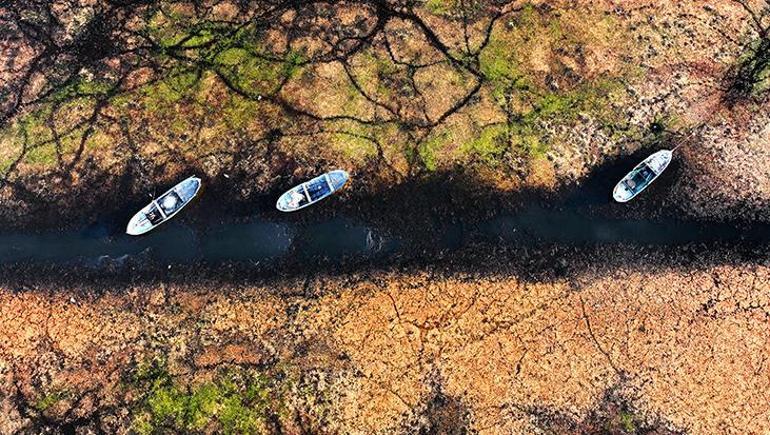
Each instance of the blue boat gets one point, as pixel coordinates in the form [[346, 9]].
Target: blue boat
[[312, 191], [164, 207]]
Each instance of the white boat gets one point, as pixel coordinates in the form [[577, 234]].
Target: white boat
[[164, 207], [312, 191], [642, 176]]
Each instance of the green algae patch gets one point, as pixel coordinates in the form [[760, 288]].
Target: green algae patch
[[51, 399], [627, 422], [356, 147], [533, 68], [255, 73], [429, 150], [177, 86], [441, 7], [57, 127], [234, 401], [530, 111], [491, 142], [238, 112], [81, 88], [376, 75], [752, 72]]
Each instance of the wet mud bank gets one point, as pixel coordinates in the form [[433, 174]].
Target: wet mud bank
[[289, 275]]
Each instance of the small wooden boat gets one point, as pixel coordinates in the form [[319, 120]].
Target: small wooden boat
[[164, 207], [642, 176], [312, 191]]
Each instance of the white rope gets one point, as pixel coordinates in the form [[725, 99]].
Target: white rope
[[684, 141]]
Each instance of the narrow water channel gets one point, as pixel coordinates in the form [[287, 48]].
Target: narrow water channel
[[583, 216], [262, 240]]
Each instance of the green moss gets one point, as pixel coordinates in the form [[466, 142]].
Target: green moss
[[122, 101], [177, 86], [239, 112], [237, 53], [627, 421], [150, 371], [355, 145], [533, 145], [5, 164], [45, 153], [499, 65], [292, 64], [87, 88], [167, 405], [180, 125], [429, 149], [528, 14], [199, 38], [256, 73], [142, 425], [531, 108], [666, 123], [556, 104], [490, 144], [235, 402], [167, 27], [42, 155], [50, 400], [753, 68], [33, 130], [375, 74], [441, 7], [232, 57], [34, 125]]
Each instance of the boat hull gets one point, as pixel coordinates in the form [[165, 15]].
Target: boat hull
[[312, 191], [640, 178], [164, 207]]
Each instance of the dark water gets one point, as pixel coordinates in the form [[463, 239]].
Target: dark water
[[339, 238], [571, 227]]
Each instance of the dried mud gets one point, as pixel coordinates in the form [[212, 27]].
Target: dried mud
[[676, 347]]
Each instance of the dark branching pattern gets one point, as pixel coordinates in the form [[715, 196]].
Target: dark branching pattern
[[751, 77], [129, 93], [104, 102]]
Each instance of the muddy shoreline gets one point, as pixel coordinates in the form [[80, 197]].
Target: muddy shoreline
[[545, 263], [446, 222], [102, 197]]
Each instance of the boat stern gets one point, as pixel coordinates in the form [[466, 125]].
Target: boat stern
[[292, 200], [622, 193], [283, 203], [138, 225]]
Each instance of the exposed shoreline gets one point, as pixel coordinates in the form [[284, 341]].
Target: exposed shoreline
[[402, 213]]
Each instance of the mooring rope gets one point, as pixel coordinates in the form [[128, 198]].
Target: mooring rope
[[693, 132]]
